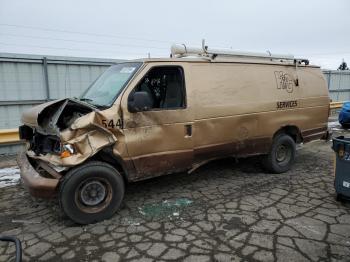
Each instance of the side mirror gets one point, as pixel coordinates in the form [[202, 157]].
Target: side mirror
[[140, 101]]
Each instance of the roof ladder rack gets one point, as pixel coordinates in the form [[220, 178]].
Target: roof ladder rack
[[181, 50]]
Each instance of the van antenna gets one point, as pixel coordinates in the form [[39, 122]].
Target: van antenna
[[204, 47]]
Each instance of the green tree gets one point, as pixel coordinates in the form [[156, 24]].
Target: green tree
[[343, 66]]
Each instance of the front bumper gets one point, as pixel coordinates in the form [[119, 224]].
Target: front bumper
[[37, 185]]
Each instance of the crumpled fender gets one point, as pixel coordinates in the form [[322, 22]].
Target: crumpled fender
[[87, 135]]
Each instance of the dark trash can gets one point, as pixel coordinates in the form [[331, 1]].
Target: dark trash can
[[341, 147]]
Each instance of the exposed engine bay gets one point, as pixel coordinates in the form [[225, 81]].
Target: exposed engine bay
[[44, 137], [58, 117]]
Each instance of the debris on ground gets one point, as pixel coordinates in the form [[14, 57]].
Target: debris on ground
[[9, 176], [166, 208]]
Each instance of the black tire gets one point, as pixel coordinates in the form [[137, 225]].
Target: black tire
[[339, 198], [91, 192], [345, 126], [276, 161]]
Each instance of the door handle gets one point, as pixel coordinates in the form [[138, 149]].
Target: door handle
[[188, 130]]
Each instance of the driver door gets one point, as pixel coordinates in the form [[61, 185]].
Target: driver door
[[159, 140]]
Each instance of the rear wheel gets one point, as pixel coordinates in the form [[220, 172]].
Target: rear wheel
[[91, 192], [282, 154], [339, 198]]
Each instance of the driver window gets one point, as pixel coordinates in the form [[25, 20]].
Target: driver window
[[165, 86]]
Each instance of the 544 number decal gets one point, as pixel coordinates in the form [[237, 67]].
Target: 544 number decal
[[112, 124]]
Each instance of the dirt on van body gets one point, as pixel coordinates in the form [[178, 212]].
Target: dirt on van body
[[224, 211]]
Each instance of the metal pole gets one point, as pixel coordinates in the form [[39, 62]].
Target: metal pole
[[46, 75]]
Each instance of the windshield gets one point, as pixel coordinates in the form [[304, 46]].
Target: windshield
[[106, 88]]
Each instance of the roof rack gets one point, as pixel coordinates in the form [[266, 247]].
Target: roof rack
[[181, 50]]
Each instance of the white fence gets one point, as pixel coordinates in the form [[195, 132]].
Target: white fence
[[338, 84], [27, 80]]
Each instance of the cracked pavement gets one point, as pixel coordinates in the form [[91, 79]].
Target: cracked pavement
[[224, 211]]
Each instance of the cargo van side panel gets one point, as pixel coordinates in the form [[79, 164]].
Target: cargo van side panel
[[239, 107]]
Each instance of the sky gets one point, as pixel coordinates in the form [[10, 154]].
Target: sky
[[315, 29]]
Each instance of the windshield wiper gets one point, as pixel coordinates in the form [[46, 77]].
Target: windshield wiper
[[88, 100], [85, 99]]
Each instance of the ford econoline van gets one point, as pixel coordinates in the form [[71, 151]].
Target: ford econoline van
[[150, 117]]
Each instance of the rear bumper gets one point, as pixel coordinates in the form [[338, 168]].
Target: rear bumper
[[37, 185]]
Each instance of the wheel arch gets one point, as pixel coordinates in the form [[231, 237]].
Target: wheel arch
[[292, 131], [106, 155]]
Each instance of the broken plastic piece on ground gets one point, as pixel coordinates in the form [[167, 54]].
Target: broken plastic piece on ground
[[167, 208]]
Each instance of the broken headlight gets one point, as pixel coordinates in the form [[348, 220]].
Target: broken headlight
[[67, 150]]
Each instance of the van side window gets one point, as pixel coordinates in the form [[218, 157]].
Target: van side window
[[166, 87]]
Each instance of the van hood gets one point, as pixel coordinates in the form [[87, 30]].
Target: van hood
[[30, 116], [55, 116]]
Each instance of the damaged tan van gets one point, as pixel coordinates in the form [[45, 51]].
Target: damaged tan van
[[150, 117]]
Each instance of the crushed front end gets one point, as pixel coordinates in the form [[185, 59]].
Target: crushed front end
[[59, 135]]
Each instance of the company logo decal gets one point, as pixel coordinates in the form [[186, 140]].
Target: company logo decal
[[284, 81]]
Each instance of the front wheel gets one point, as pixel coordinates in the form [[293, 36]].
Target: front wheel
[[91, 192], [282, 154]]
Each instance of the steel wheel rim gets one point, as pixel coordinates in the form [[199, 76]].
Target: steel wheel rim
[[90, 204], [92, 193], [283, 154]]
